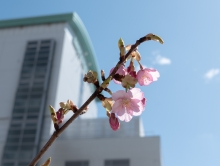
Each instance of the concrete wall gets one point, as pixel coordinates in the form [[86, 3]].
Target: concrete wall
[[66, 74], [143, 151], [12, 48], [66, 82], [93, 140]]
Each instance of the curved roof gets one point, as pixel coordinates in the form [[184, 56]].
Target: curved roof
[[75, 23]]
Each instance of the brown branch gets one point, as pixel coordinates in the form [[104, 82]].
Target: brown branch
[[80, 110]]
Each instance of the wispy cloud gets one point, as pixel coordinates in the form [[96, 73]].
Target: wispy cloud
[[161, 60], [211, 74]]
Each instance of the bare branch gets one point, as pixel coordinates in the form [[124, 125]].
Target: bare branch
[[83, 107]]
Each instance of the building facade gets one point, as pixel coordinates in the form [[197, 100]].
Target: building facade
[[42, 62]]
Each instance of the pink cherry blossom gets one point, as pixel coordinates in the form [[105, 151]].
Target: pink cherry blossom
[[114, 123], [147, 76], [128, 104], [121, 71]]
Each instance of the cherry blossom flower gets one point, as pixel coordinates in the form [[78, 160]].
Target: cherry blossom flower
[[128, 104], [121, 71], [114, 123], [146, 76]]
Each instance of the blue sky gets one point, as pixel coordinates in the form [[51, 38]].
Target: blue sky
[[183, 105]]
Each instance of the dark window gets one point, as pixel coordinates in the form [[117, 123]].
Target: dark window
[[77, 163], [23, 163], [8, 164], [118, 162]]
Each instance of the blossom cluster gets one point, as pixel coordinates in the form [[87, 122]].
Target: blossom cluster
[[132, 102], [129, 102], [123, 104], [58, 116]]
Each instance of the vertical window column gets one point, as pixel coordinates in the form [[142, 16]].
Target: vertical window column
[[27, 116]]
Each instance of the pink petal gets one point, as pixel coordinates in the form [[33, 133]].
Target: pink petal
[[121, 114], [118, 95], [121, 111], [137, 108], [127, 117], [117, 82], [121, 71], [135, 93], [149, 69], [117, 106], [155, 75], [144, 77]]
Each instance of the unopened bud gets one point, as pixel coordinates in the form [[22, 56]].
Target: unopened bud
[[128, 82], [90, 77], [121, 47], [107, 103], [60, 115], [47, 162], [121, 43], [62, 104], [151, 36], [106, 82], [53, 114], [103, 75], [114, 123]]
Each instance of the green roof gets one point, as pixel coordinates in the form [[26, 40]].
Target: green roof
[[75, 23]]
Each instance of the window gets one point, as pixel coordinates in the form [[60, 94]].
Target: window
[[8, 164], [23, 135], [118, 162], [77, 163]]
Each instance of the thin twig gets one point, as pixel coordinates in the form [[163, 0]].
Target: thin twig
[[80, 110]]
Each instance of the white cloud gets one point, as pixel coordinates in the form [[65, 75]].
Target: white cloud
[[160, 60], [211, 73]]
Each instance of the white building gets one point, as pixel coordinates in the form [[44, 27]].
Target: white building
[[42, 62]]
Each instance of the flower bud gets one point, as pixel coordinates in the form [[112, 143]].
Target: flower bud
[[128, 82], [53, 114], [114, 123], [62, 104], [121, 47], [60, 115], [47, 162], [107, 103], [151, 36], [90, 77]]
